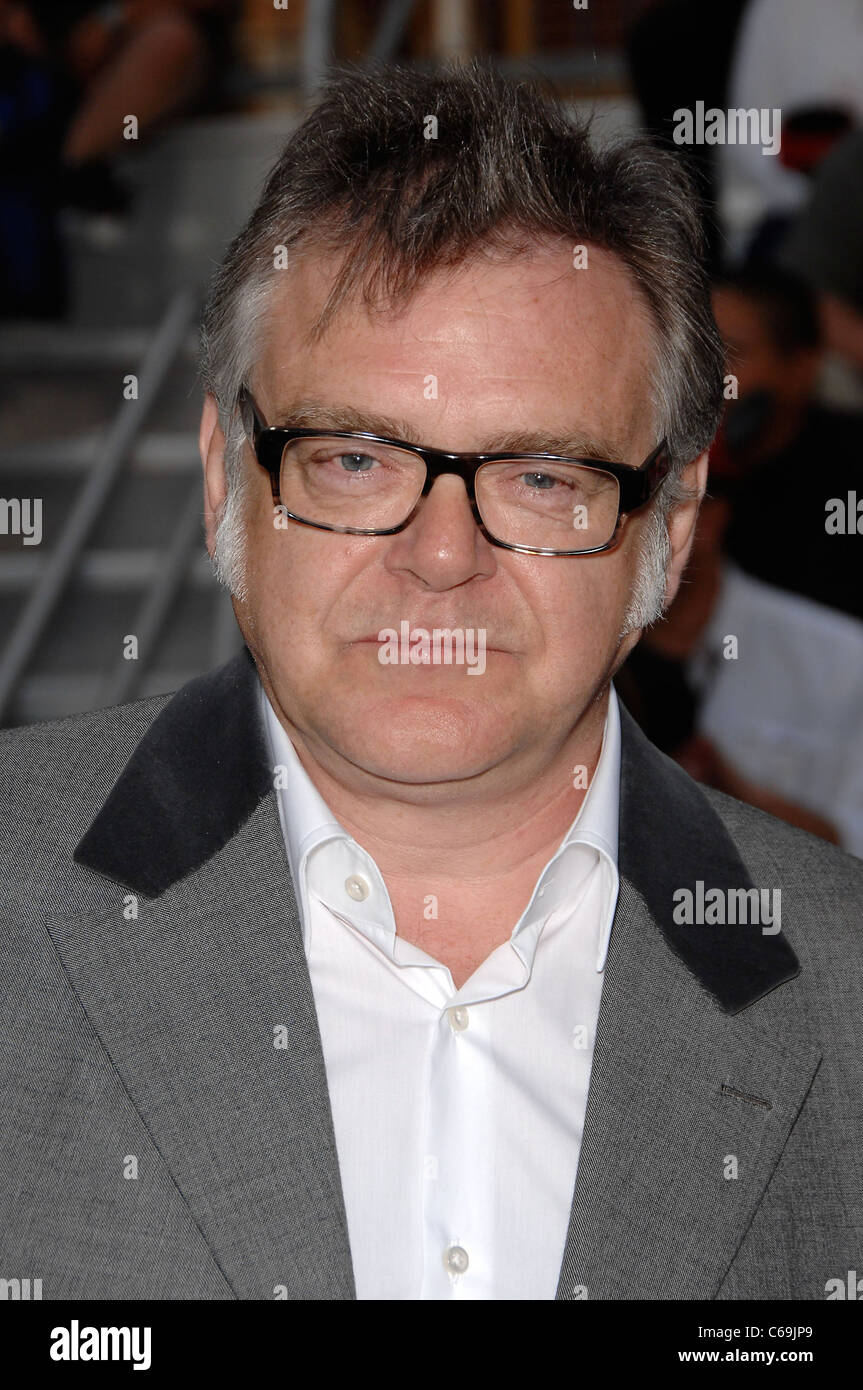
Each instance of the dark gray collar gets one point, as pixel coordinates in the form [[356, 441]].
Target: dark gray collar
[[203, 767]]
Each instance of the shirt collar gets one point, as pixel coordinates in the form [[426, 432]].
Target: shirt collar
[[595, 826], [307, 821], [306, 818], [597, 820]]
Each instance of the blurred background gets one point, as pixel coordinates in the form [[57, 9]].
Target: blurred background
[[111, 225]]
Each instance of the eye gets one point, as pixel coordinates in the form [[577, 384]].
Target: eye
[[540, 481], [356, 463]]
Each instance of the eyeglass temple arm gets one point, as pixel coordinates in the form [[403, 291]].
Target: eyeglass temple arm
[[247, 405]]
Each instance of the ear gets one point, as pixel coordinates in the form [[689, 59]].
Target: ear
[[211, 444], [681, 525]]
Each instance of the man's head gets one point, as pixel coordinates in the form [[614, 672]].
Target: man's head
[[768, 321], [464, 282]]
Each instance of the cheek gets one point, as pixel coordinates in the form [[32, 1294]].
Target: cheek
[[582, 607], [582, 627], [301, 580], [283, 554], [277, 589]]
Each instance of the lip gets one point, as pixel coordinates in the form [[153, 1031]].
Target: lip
[[373, 640]]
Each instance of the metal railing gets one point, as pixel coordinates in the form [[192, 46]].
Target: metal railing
[[125, 680], [129, 419]]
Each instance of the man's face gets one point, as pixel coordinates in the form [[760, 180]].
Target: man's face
[[525, 344]]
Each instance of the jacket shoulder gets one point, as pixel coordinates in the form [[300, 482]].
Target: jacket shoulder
[[821, 884], [759, 833], [54, 776]]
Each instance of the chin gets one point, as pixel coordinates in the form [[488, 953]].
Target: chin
[[420, 739]]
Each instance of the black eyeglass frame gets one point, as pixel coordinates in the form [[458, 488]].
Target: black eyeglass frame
[[636, 486]]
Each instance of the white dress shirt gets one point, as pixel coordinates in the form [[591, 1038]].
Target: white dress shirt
[[458, 1114]]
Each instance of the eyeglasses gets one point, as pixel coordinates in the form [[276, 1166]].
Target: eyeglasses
[[365, 485]]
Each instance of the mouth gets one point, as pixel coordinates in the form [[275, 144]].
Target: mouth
[[373, 640], [377, 641]]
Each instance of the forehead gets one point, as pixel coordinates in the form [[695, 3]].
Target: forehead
[[497, 343]]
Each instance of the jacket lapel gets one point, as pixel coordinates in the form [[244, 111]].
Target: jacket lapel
[[698, 1070], [204, 1001]]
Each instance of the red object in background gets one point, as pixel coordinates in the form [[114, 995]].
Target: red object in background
[[724, 471], [808, 135], [722, 462], [736, 447]]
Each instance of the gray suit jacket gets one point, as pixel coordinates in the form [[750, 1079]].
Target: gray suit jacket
[[144, 1043]]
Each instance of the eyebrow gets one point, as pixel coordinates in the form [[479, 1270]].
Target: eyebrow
[[309, 414]]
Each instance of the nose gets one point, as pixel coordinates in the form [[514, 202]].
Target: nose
[[443, 546]]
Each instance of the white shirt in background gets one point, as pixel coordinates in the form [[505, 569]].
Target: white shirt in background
[[787, 711]]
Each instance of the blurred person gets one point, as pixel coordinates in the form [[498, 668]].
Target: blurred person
[[153, 59], [793, 56], [797, 462], [824, 246], [756, 692], [33, 110], [395, 975], [71, 72], [678, 53]]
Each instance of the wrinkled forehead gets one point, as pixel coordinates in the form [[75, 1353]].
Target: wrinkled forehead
[[556, 335]]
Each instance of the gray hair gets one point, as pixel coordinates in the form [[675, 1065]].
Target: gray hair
[[507, 167]]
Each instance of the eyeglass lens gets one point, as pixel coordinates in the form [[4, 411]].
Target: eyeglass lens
[[549, 505]]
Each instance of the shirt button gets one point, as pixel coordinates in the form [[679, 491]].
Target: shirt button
[[459, 1019], [356, 888], [455, 1260]]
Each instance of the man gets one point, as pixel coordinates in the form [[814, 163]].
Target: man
[[824, 247], [678, 53], [801, 60], [754, 690], [797, 460], [336, 977]]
